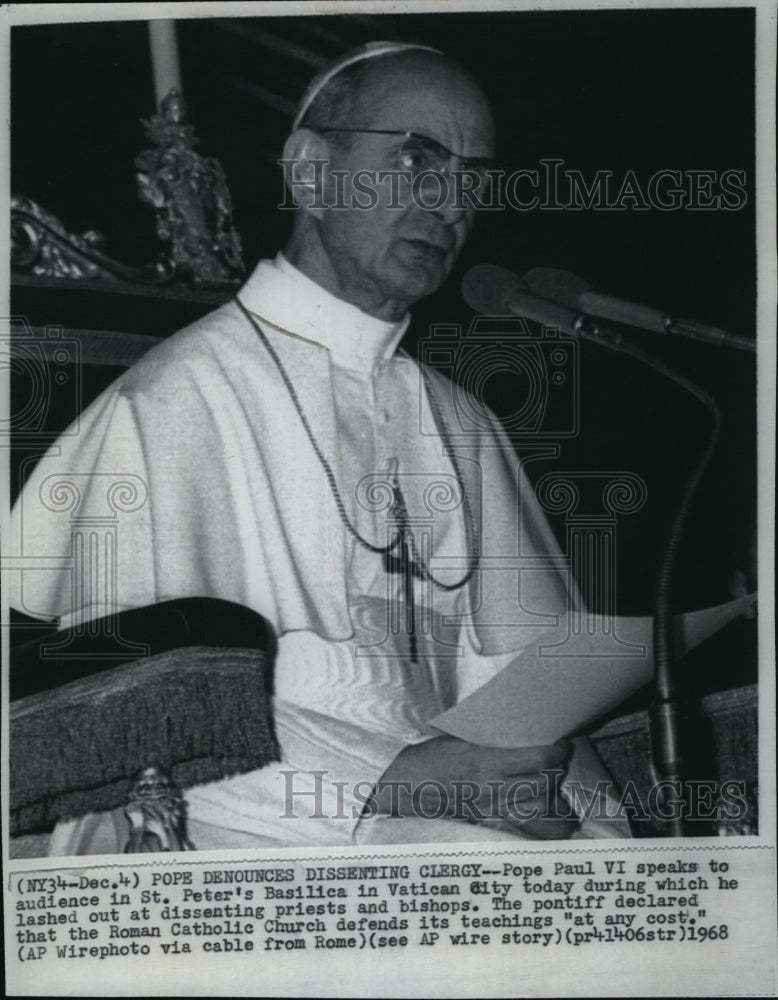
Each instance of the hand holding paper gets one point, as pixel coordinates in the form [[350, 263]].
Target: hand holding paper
[[542, 696], [505, 788]]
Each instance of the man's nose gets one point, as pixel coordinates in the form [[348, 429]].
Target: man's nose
[[438, 192]]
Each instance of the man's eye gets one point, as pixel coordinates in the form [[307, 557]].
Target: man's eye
[[417, 157], [411, 159]]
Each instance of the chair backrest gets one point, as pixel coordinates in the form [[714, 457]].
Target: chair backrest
[[196, 706]]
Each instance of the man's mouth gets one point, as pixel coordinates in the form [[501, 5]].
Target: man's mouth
[[426, 248]]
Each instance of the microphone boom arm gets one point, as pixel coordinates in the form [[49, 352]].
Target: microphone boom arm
[[665, 713]]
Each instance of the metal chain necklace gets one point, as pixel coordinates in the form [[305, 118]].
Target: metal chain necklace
[[410, 559]]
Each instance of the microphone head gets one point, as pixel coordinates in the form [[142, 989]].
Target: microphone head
[[556, 285], [488, 289]]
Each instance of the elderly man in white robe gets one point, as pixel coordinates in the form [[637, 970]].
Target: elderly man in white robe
[[291, 450]]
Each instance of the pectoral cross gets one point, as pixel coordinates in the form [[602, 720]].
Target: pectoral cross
[[404, 563]]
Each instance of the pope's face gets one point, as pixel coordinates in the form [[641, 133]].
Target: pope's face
[[385, 259]]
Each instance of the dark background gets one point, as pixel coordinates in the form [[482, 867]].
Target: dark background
[[646, 90]]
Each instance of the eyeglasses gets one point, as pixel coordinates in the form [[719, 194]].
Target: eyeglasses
[[419, 153]]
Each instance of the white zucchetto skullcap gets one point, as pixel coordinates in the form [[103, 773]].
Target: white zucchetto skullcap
[[367, 51]]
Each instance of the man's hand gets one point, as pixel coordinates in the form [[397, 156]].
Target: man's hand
[[516, 789]]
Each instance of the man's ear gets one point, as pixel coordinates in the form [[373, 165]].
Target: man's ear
[[306, 153]]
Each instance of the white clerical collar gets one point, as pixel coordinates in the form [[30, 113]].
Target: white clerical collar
[[283, 296]]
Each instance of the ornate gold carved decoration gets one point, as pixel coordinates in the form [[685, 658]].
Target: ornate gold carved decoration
[[190, 196], [41, 245], [156, 813]]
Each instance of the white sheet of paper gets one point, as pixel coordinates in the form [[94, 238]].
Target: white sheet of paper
[[562, 683]]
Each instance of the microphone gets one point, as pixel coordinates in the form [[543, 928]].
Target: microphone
[[495, 291], [492, 290], [576, 293]]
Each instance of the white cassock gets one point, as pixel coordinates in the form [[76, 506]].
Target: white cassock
[[233, 502]]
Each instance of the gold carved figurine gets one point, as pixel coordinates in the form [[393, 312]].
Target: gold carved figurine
[[190, 195], [157, 815]]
